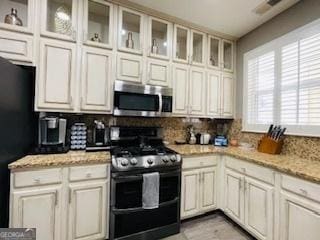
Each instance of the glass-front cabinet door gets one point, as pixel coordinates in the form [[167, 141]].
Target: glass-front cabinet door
[[198, 48], [159, 38], [58, 19], [130, 31], [227, 55], [214, 56], [98, 23], [17, 15], [181, 44]]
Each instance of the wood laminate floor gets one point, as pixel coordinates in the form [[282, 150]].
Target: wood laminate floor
[[212, 227]]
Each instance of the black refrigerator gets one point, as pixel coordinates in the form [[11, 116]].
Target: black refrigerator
[[18, 124]]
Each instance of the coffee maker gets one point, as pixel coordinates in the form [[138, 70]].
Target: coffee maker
[[100, 137], [52, 135]]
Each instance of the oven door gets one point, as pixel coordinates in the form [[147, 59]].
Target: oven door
[[140, 100], [127, 215]]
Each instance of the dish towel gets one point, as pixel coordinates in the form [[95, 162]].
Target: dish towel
[[150, 190]]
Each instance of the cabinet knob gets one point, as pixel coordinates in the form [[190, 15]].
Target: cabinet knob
[[89, 175], [304, 192], [36, 180]]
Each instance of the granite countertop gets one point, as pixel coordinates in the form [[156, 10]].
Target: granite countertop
[[290, 164], [70, 158]]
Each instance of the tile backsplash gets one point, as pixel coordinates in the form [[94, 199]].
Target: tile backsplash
[[304, 147]]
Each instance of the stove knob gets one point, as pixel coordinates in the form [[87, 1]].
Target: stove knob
[[149, 161], [173, 158], [124, 162], [165, 159], [133, 161]]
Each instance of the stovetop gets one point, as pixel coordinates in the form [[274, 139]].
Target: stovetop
[[141, 157]]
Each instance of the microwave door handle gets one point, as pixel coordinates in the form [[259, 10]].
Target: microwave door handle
[[160, 103]]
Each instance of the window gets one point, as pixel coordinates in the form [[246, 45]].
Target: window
[[282, 83]]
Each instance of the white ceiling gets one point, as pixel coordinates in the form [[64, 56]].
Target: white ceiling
[[232, 17]]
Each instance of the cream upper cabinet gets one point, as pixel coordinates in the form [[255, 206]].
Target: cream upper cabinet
[[38, 208], [131, 31], [259, 208], [59, 19], [56, 82], [159, 38], [129, 68], [25, 11], [214, 94], [88, 210], [208, 189], [214, 52], [197, 91], [190, 193], [180, 84], [227, 55], [198, 42], [227, 90], [98, 27], [181, 44], [96, 80], [159, 73], [234, 197]]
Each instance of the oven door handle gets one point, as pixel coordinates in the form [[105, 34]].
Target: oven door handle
[[138, 209], [140, 176], [160, 103]]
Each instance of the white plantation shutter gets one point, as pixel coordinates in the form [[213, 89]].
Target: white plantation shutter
[[282, 83], [261, 78]]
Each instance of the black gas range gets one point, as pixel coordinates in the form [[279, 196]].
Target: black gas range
[[135, 153]]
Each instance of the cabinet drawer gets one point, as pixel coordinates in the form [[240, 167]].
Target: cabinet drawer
[[252, 170], [301, 187], [88, 172], [16, 47], [37, 177], [199, 162]]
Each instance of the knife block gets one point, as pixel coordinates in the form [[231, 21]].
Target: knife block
[[268, 145]]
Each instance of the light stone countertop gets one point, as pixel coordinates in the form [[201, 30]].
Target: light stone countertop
[[64, 159], [290, 164]]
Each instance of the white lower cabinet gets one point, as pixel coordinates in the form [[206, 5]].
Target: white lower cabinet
[[88, 210], [38, 208], [198, 188], [72, 204], [249, 202]]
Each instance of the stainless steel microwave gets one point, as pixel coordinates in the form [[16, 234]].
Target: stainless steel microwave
[[141, 100]]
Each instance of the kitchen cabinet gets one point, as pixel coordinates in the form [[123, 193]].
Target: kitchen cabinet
[[227, 55], [249, 197], [96, 80], [220, 94], [59, 19], [214, 52], [198, 186], [190, 193], [259, 208], [159, 73], [129, 68], [197, 91], [25, 11], [234, 197], [88, 210], [62, 203], [56, 82], [180, 82], [160, 38], [131, 31], [189, 46], [300, 218], [98, 23], [198, 41], [38, 208]]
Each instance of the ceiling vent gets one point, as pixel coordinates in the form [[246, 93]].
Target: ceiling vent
[[265, 6]]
